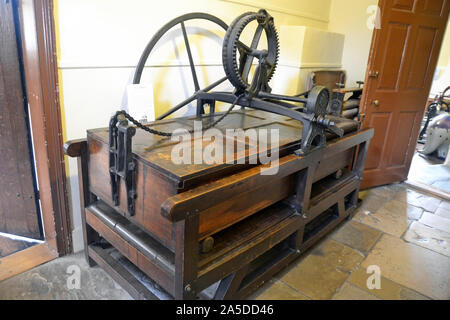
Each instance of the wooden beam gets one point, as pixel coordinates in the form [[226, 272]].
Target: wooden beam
[[121, 275], [422, 187], [24, 260]]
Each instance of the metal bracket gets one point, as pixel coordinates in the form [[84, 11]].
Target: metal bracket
[[121, 162], [313, 136], [336, 104], [201, 106]]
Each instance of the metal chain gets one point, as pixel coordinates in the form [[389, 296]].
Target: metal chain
[[169, 134]]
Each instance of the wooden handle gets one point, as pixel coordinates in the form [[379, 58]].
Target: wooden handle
[[348, 90]]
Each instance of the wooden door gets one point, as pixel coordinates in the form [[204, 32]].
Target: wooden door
[[402, 62], [18, 212]]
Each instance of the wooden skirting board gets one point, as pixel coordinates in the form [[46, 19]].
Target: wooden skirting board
[[26, 259], [428, 189]]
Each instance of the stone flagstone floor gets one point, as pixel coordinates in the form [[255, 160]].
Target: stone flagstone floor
[[403, 232]]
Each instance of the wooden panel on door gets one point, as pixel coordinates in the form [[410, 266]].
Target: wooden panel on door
[[18, 213], [402, 61], [382, 121], [392, 56], [403, 4], [402, 137]]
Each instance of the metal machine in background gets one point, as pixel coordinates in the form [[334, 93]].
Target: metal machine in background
[[435, 134], [438, 137]]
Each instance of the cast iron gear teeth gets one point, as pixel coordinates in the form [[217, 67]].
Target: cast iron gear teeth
[[231, 44]]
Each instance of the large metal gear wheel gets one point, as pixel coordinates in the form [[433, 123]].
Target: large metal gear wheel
[[238, 71]]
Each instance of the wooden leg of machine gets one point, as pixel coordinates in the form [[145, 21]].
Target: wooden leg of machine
[[303, 197], [304, 185], [79, 149], [86, 198], [186, 258]]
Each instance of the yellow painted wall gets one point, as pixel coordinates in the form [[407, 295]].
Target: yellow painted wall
[[444, 57], [442, 75]]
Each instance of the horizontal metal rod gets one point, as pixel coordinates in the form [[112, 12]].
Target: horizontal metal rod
[[191, 98], [266, 95], [259, 104]]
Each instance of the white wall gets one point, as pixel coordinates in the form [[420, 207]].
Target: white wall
[[304, 50], [350, 17], [99, 44]]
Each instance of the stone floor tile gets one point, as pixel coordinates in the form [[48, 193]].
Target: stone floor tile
[[443, 212], [357, 236], [351, 292], [420, 269], [435, 221], [393, 217], [323, 271], [389, 290], [389, 191], [277, 291], [426, 202], [370, 203], [428, 237], [429, 172]]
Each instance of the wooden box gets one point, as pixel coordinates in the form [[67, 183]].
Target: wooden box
[[195, 225]]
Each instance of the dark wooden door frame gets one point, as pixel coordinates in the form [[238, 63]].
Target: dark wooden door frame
[[37, 32]]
